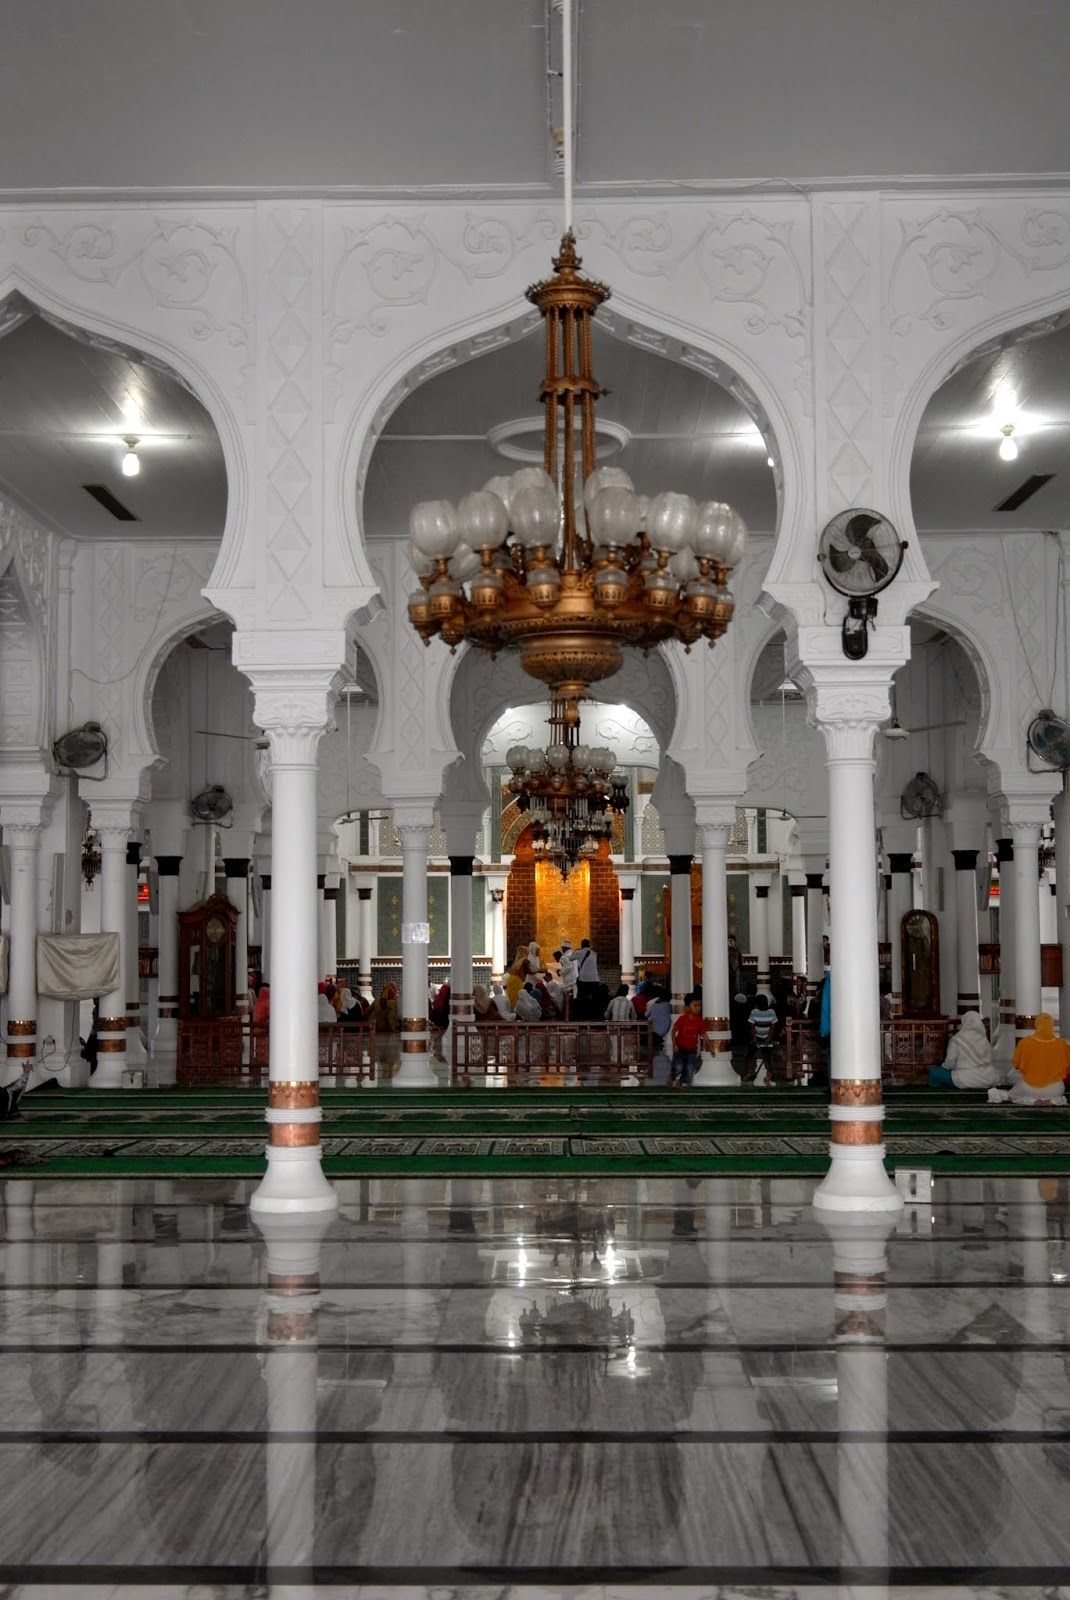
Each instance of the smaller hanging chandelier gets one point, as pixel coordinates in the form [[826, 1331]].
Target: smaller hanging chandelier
[[570, 790], [90, 855]]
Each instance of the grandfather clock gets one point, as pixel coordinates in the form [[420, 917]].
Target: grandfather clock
[[207, 942]]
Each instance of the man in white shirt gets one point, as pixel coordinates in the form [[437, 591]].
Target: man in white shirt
[[566, 960]]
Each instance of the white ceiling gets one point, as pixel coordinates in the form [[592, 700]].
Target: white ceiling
[[957, 477], [61, 425], [317, 93], [687, 432]]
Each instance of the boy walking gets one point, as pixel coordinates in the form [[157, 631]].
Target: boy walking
[[688, 1032]]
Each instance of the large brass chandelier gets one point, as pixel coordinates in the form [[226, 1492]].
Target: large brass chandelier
[[565, 562], [570, 792]]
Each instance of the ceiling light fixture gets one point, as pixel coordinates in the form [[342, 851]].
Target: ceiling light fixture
[[571, 566], [570, 791], [131, 462], [1008, 450]]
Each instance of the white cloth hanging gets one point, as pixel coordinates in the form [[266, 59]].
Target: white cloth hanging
[[77, 966]]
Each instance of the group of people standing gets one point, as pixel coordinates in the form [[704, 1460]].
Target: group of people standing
[[534, 990]]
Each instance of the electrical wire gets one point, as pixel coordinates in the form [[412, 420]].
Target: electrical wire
[[566, 92]]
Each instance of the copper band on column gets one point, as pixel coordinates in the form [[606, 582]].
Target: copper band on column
[[291, 1327], [17, 1029], [856, 1132], [414, 1047], [859, 1283], [856, 1091], [293, 1096], [20, 1052], [111, 1025], [293, 1134], [293, 1283], [166, 1013], [133, 1022], [112, 1045], [414, 1024], [719, 1023], [717, 1047], [1024, 1022]]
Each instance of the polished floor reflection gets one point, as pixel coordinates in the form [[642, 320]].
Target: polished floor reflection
[[532, 1388]]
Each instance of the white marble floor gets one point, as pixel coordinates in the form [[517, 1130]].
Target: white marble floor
[[473, 1390]]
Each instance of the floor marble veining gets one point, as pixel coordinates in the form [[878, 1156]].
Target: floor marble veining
[[518, 1389]]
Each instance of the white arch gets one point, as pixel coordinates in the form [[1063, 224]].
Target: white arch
[[18, 289], [464, 340]]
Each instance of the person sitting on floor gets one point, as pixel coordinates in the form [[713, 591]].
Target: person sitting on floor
[[1041, 1064], [620, 1008], [501, 1003], [968, 1063], [483, 1007], [262, 1006], [325, 1011], [528, 1008]]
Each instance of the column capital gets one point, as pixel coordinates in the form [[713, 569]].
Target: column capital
[[627, 894], [815, 881], [114, 817], [1026, 833], [1004, 851], [133, 853], [965, 860], [798, 891], [236, 866], [680, 864], [364, 894], [461, 866], [22, 821], [715, 835], [497, 895], [715, 813], [168, 866], [901, 861]]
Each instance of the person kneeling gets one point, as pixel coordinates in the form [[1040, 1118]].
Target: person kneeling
[[968, 1063]]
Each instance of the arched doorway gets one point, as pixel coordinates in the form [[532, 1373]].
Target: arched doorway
[[542, 905]]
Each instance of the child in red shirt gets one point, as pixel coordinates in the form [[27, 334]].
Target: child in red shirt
[[688, 1032]]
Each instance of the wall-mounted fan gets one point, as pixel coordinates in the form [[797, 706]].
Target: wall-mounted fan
[[82, 747], [1048, 737], [212, 804], [920, 798], [860, 553]]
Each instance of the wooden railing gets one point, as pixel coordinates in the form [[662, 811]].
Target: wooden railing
[[909, 1047], [231, 1052], [577, 1052]]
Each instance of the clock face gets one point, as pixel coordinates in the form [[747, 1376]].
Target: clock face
[[215, 930], [860, 552]]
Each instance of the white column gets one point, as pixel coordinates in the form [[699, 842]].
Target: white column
[[114, 830], [294, 1178], [759, 933], [461, 973], [717, 1067], [815, 929], [324, 947], [856, 1179], [798, 927], [22, 834], [1061, 810], [330, 908], [1008, 1004], [969, 969], [627, 942], [497, 932], [165, 1039], [364, 952], [681, 976], [265, 924], [352, 904], [1026, 835], [237, 871], [136, 1055], [900, 901], [414, 830], [1049, 928]]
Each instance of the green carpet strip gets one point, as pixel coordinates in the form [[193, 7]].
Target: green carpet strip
[[219, 1133]]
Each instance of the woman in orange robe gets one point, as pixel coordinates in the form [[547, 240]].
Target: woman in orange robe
[[1041, 1063]]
